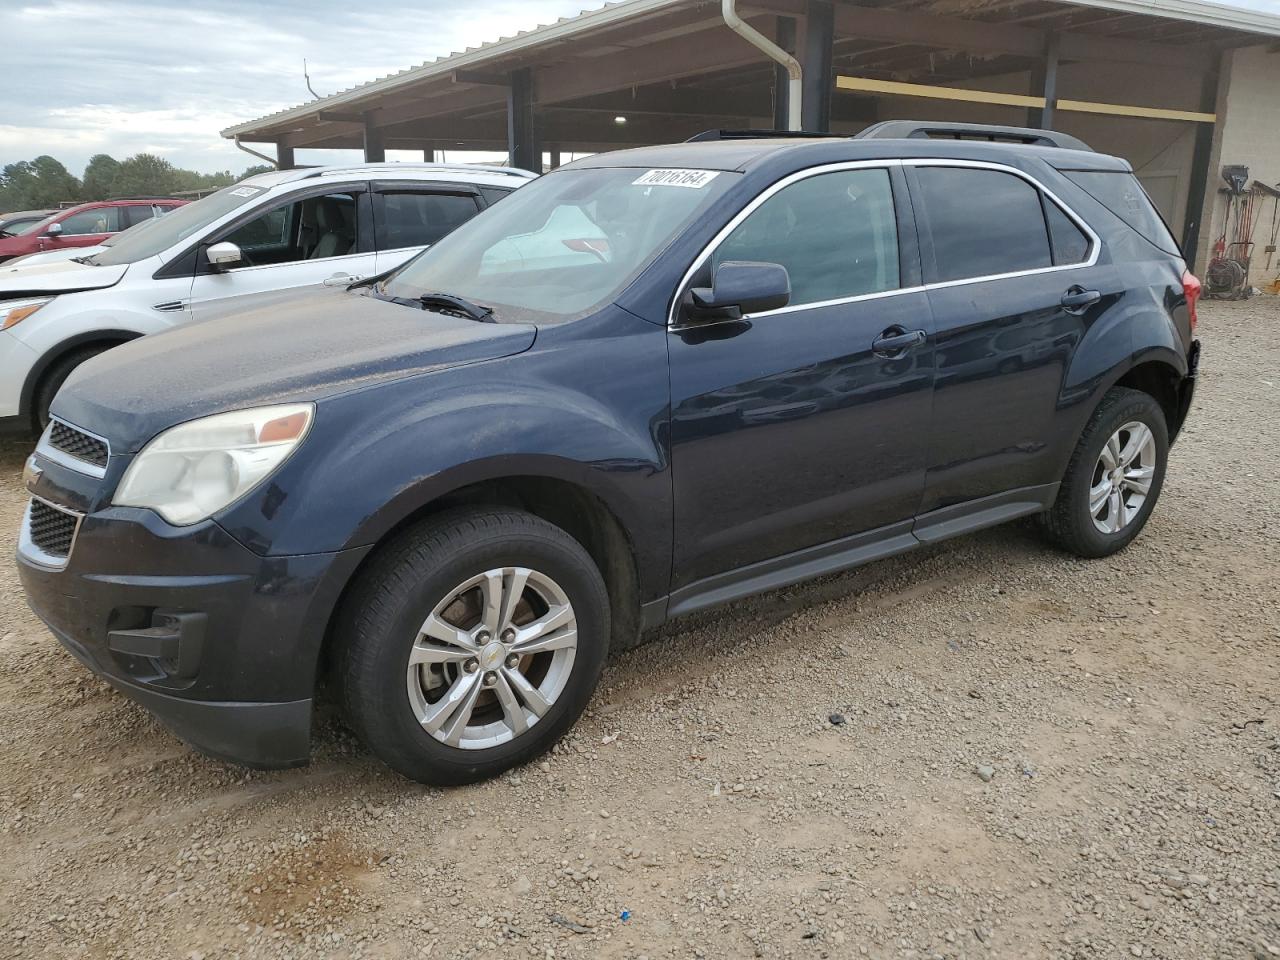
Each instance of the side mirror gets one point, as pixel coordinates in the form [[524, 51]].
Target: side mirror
[[741, 287], [55, 230], [224, 255]]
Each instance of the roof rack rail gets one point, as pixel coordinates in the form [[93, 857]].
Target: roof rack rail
[[707, 135], [320, 171], [924, 129]]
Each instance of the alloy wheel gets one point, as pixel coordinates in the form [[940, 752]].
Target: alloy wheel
[[492, 658], [1122, 477]]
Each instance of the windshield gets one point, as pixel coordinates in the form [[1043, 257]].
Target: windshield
[[185, 221], [563, 245]]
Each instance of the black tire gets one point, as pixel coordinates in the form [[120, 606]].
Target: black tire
[[1069, 522], [55, 377], [404, 583]]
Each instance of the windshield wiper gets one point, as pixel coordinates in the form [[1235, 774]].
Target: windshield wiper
[[87, 260], [455, 304]]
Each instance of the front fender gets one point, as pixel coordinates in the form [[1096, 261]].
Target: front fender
[[591, 413]]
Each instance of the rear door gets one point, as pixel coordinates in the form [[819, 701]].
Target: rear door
[[1013, 286], [409, 216], [322, 235]]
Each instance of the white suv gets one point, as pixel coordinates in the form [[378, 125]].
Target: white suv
[[275, 231]]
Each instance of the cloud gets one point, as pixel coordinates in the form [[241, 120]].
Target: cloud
[[84, 77], [123, 76]]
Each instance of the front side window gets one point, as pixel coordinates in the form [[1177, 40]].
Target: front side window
[[565, 244], [97, 220], [184, 223], [414, 219], [983, 222], [836, 234], [314, 228]]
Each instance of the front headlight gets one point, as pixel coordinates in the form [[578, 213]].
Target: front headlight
[[193, 470], [14, 311]]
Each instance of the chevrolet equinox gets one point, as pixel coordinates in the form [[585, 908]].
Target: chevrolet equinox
[[648, 383]]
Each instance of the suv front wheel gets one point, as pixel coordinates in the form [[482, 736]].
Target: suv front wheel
[[472, 643], [1114, 477]]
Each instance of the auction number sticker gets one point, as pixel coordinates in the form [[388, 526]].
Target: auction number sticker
[[245, 192], [697, 179]]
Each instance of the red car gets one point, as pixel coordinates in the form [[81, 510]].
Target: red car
[[84, 225]]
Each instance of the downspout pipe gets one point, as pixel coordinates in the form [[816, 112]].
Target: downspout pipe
[[795, 81], [255, 153]]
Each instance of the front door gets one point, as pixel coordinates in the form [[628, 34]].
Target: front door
[[796, 427], [305, 241]]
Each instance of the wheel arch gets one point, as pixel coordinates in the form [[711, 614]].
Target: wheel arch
[[111, 337], [566, 503]]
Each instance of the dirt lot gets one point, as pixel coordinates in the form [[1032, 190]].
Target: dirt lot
[[798, 777]]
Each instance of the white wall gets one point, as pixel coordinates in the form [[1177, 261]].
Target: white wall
[[1248, 132]]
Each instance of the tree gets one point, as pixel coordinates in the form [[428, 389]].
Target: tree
[[145, 175], [42, 182], [98, 176], [255, 170]]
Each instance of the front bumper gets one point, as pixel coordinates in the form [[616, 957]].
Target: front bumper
[[221, 644]]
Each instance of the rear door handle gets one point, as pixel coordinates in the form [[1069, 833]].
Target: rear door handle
[[895, 341], [1077, 299]]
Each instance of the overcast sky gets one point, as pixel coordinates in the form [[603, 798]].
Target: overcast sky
[[129, 76]]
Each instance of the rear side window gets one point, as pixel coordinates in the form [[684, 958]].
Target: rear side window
[[1122, 194], [136, 213], [493, 194], [1070, 243], [983, 222], [418, 219], [836, 234]]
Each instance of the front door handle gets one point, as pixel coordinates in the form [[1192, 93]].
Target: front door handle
[[1077, 299], [895, 341], [341, 280]]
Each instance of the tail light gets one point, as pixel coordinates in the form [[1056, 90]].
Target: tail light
[[1191, 288]]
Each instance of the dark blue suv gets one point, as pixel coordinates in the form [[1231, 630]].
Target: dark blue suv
[[649, 383]]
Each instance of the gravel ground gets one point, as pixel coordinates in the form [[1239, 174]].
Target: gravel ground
[[984, 749]]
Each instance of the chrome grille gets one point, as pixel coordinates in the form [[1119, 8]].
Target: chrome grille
[[78, 444], [51, 531]]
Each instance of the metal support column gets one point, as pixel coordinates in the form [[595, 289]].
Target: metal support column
[[1044, 83], [815, 57], [522, 147], [785, 37], [1201, 159], [284, 156], [374, 148]]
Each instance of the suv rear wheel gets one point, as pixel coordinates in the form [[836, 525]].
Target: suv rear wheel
[[472, 643], [1114, 477]]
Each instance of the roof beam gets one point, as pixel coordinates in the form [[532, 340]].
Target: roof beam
[[980, 36], [705, 51]]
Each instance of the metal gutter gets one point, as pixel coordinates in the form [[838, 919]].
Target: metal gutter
[[1196, 11], [795, 75]]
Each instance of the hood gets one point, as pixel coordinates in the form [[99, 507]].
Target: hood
[[54, 256], [61, 276], [291, 348]]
